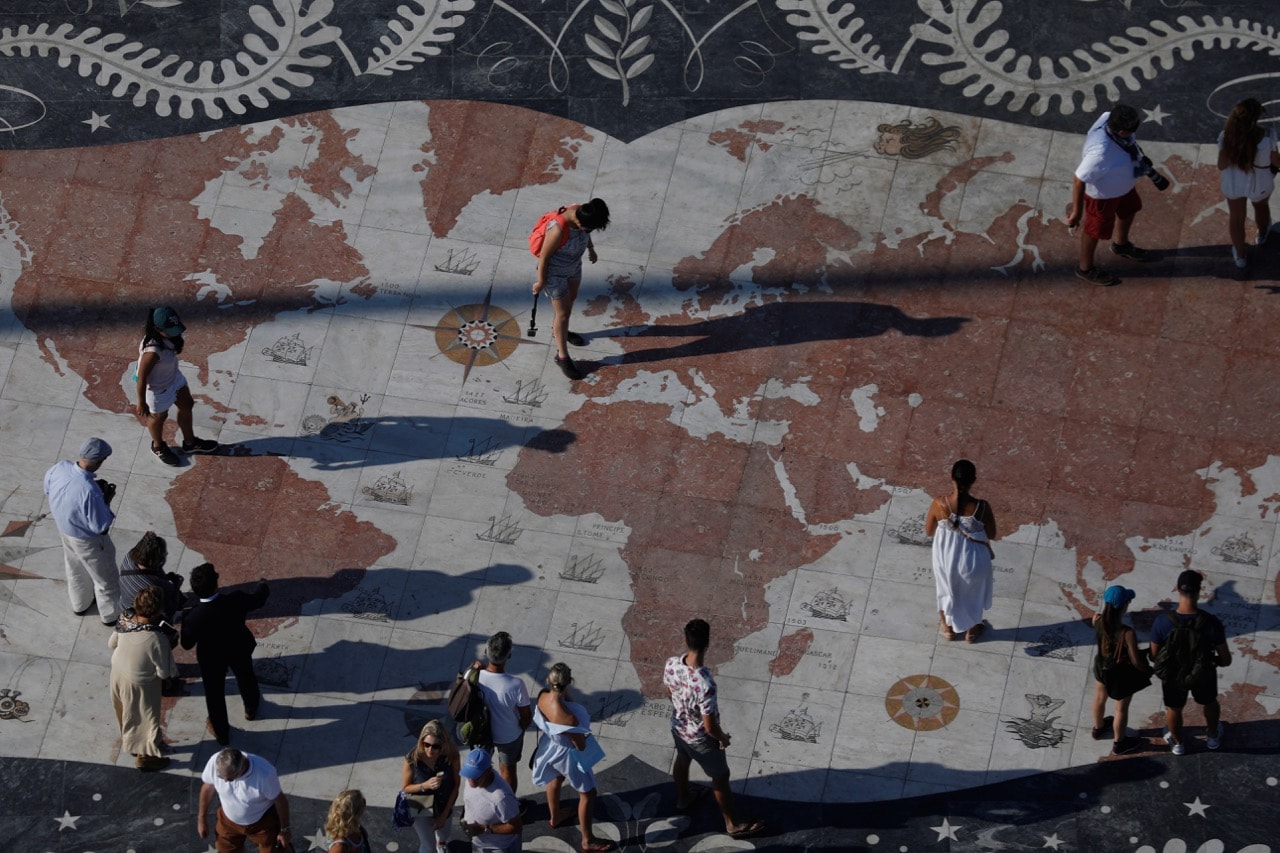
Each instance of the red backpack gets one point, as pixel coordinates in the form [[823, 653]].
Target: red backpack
[[538, 235]]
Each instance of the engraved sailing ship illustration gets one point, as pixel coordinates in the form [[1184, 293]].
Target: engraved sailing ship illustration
[[481, 452], [797, 724], [502, 530], [462, 262], [583, 638], [1053, 644], [828, 604], [369, 605], [1239, 549], [289, 350], [531, 394], [911, 532], [389, 489], [587, 569], [610, 711]]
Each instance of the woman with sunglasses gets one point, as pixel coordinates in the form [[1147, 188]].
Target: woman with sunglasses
[[430, 778]]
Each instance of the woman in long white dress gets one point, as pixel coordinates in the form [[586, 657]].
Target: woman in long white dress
[[962, 528], [565, 726]]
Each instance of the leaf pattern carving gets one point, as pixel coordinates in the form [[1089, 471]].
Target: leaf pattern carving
[[256, 74], [619, 52], [976, 55], [410, 44], [831, 25]]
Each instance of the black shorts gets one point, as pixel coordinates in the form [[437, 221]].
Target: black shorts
[[1204, 694]]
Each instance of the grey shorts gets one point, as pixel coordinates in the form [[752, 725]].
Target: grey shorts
[[706, 753], [509, 753]]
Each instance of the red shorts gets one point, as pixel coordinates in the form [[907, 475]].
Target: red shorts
[[1100, 214]]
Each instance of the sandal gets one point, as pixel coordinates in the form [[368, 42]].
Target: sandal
[[748, 829], [972, 635], [945, 630]]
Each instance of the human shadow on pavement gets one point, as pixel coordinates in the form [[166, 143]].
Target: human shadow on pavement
[[780, 324], [337, 445]]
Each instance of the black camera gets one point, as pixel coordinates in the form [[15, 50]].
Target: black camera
[[1146, 168], [108, 489]]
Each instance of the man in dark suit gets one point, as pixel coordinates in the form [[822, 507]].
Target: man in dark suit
[[216, 628]]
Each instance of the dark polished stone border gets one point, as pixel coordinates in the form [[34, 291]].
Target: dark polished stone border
[[1140, 803], [71, 70]]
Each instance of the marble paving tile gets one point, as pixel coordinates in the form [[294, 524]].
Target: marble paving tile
[[900, 611], [799, 726], [831, 602], [397, 483], [80, 715], [268, 405], [438, 603], [784, 781], [955, 754], [869, 741]]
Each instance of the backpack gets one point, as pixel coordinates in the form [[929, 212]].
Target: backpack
[[538, 235], [467, 708], [1185, 659]]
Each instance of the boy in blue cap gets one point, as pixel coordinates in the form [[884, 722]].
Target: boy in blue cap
[[491, 812]]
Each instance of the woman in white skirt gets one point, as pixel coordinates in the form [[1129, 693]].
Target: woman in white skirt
[[1248, 159]]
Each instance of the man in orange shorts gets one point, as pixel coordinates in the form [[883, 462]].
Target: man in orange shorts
[[1104, 191]]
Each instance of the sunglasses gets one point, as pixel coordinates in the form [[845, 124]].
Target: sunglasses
[[431, 744]]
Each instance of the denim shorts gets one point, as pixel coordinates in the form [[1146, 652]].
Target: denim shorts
[[557, 286]]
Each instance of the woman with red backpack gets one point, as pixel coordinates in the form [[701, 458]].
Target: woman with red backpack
[[565, 236]]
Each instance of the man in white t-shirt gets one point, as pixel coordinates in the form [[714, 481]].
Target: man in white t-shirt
[[251, 805], [507, 699], [491, 813], [1104, 192]]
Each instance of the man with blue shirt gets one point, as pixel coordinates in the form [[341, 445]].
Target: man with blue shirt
[[79, 505]]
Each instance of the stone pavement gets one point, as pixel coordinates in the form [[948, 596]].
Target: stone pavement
[[804, 311]]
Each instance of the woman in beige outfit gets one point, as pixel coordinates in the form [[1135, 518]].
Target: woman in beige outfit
[[141, 658]]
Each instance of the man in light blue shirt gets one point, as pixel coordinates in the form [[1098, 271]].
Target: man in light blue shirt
[[79, 506]]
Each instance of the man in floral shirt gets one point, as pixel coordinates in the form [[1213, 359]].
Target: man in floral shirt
[[695, 728]]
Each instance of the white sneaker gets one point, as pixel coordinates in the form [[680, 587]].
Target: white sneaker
[[1240, 260], [1215, 740], [1177, 748]]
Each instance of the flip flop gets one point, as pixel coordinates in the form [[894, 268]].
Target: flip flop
[[697, 794], [748, 829]]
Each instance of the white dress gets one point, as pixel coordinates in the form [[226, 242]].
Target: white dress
[[962, 570], [1257, 183], [556, 756]]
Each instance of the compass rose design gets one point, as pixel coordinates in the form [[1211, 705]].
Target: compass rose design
[[477, 335]]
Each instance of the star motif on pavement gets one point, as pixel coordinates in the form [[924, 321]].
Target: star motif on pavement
[[1157, 115], [1052, 841], [946, 830], [317, 841], [1196, 808], [96, 121], [67, 821]]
